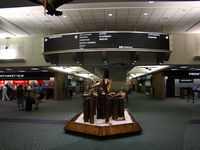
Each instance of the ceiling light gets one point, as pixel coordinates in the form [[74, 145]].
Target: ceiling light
[[34, 68], [63, 69], [151, 2], [110, 15], [44, 70], [8, 53], [64, 16], [22, 71], [8, 69], [145, 14], [173, 69], [184, 67], [197, 69]]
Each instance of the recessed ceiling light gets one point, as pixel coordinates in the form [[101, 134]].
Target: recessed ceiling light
[[184, 67], [151, 2], [64, 16], [110, 15], [145, 14], [8, 69], [22, 71], [174, 69], [34, 68]]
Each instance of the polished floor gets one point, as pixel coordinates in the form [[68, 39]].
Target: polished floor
[[172, 124]]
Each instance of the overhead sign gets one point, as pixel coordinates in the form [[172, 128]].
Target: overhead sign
[[21, 82], [185, 80], [11, 75], [194, 74], [2, 82], [27, 76], [103, 40]]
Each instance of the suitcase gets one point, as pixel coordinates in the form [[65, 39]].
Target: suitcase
[[28, 104]]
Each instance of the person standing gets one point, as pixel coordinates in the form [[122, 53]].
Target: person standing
[[4, 93], [70, 87], [36, 94], [20, 97]]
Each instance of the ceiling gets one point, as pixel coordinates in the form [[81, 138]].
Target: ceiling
[[163, 17], [127, 16]]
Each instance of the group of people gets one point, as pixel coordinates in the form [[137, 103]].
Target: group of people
[[33, 92]]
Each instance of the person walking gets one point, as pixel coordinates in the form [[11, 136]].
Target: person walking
[[20, 97], [4, 93], [36, 95]]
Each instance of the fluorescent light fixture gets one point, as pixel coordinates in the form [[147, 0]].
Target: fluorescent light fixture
[[135, 75], [173, 69], [145, 14], [22, 71], [151, 2], [8, 69], [143, 70], [110, 15], [64, 16], [8, 53], [184, 67], [34, 68], [62, 69], [85, 75], [44, 70]]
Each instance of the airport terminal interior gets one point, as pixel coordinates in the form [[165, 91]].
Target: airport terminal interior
[[99, 75]]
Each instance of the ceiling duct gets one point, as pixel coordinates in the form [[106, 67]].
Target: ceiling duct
[[196, 58], [53, 59], [162, 57], [12, 61]]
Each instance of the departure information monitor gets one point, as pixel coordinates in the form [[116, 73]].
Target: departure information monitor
[[106, 40]]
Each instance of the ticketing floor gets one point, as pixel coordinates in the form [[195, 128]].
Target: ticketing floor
[[167, 124]]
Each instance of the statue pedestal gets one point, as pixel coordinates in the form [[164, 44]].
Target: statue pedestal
[[126, 124]]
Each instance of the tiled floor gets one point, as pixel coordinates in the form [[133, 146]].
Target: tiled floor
[[165, 126]]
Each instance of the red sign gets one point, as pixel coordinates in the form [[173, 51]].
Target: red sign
[[20, 81], [40, 81], [2, 82]]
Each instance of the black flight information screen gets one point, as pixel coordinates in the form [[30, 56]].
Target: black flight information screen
[[103, 40]]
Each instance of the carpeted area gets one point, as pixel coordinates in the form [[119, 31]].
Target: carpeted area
[[167, 125]]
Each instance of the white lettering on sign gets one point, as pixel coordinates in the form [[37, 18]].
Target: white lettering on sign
[[125, 46], [194, 74], [11, 75]]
